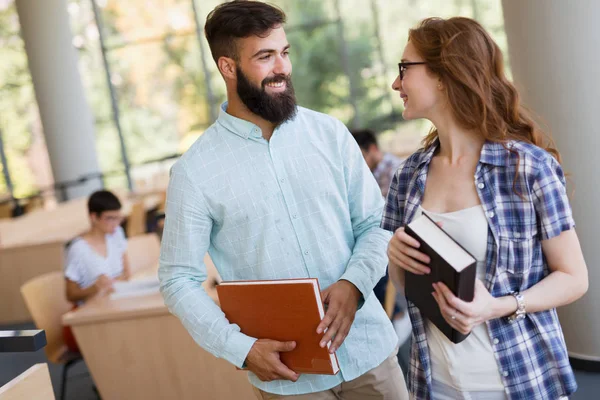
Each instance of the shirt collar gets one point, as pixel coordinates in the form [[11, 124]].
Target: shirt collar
[[238, 126], [241, 127], [495, 153], [492, 153]]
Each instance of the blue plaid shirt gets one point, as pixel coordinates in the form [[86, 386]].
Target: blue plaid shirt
[[531, 354]]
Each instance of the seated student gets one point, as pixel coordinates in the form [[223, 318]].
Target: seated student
[[98, 257]]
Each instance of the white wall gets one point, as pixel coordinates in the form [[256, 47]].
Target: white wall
[[554, 49]]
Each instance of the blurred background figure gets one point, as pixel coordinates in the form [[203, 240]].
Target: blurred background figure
[[384, 165], [98, 257]]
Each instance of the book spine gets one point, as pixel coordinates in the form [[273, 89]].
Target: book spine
[[458, 337], [466, 283]]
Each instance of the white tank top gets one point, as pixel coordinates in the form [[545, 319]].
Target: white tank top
[[470, 365]]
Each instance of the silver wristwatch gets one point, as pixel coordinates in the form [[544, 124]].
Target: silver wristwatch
[[520, 313]]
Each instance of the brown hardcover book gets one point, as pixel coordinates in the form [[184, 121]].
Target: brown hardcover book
[[283, 310]]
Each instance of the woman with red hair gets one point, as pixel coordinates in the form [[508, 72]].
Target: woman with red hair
[[492, 179]]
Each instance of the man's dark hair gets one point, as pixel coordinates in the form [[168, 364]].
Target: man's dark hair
[[239, 19], [364, 137], [101, 201]]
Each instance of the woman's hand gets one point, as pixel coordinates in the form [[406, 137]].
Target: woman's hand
[[461, 315], [402, 253]]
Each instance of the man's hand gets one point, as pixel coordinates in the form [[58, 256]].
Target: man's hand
[[263, 359], [342, 303]]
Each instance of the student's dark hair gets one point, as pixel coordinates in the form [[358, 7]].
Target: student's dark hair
[[239, 19], [364, 137], [101, 201]]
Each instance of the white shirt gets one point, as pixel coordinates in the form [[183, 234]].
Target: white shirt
[[470, 365], [85, 265]]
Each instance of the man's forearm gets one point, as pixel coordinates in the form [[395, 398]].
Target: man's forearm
[[202, 318], [368, 262]]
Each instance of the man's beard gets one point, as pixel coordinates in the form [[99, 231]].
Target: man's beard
[[276, 108]]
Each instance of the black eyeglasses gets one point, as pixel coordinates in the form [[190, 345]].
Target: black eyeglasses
[[402, 67]]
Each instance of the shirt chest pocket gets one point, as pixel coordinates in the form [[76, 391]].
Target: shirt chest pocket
[[516, 247]]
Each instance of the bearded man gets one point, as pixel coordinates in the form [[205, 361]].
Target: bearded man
[[275, 191]]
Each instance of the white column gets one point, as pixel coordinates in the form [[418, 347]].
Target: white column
[[553, 49], [66, 117]]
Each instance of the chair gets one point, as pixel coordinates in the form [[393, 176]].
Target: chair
[[136, 222], [162, 204], [46, 301], [6, 210], [34, 383], [35, 203], [143, 252]]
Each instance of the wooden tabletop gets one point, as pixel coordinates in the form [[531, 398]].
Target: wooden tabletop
[[32, 384], [104, 308]]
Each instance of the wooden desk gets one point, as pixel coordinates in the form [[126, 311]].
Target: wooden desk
[[32, 384], [63, 223], [135, 349], [34, 244]]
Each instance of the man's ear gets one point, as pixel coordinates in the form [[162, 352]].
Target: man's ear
[[227, 67]]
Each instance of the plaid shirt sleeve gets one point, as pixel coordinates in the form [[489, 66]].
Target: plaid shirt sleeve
[[551, 201], [393, 212]]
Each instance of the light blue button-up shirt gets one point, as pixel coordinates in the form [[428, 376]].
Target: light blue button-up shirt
[[303, 204]]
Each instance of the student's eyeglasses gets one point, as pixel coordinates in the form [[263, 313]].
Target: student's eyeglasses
[[112, 218], [402, 67]]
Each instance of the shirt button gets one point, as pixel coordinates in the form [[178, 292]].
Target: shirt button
[[282, 180], [306, 252], [491, 214], [517, 235], [480, 185], [505, 374], [295, 216], [496, 341]]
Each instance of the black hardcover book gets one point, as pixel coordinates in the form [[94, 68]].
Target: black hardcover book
[[450, 263], [17, 341]]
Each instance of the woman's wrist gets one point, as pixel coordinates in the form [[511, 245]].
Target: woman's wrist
[[503, 306]]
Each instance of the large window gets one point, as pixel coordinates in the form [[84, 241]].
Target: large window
[[167, 90], [344, 54]]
